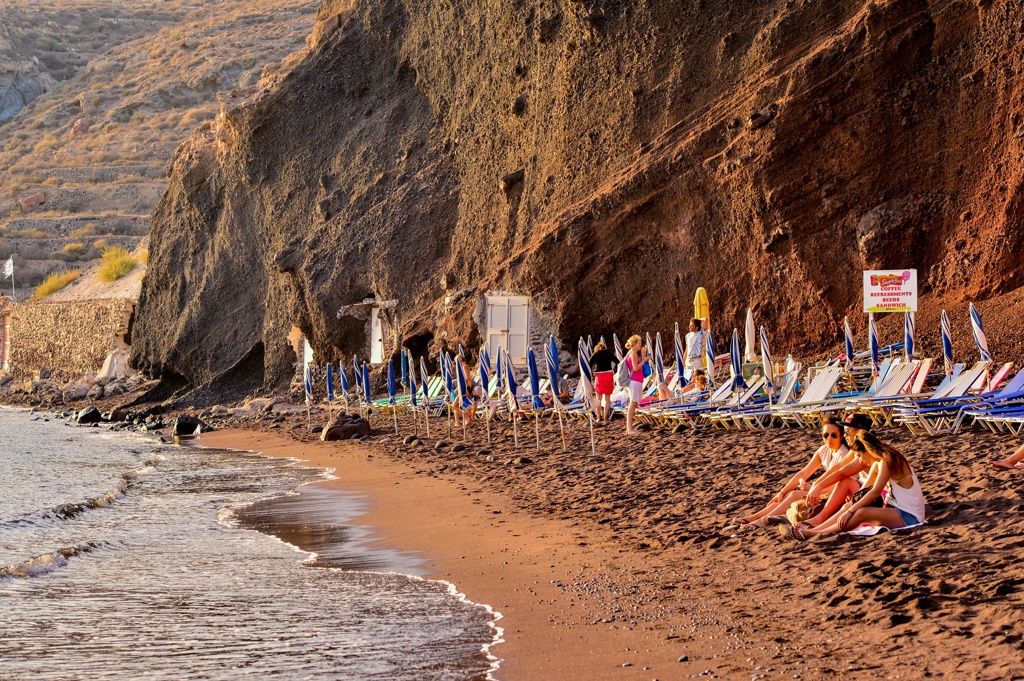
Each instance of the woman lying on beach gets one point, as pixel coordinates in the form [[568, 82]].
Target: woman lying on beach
[[891, 478], [832, 454], [1015, 460]]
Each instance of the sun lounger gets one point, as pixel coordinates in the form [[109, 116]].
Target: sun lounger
[[816, 393], [937, 413], [761, 416]]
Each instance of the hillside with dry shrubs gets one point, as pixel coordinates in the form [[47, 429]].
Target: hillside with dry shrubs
[[86, 162]]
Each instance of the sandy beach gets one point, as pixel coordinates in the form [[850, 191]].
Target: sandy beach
[[617, 566]]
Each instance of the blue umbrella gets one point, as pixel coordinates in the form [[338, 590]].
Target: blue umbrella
[[766, 359], [648, 344], [551, 357], [446, 374], [531, 368], [359, 375], [485, 357], [510, 374], [366, 382], [462, 351], [392, 387], [618, 347], [873, 341], [979, 335], [412, 380], [848, 334], [424, 379], [405, 369], [908, 335], [330, 384], [584, 359], [343, 376], [947, 343], [709, 346], [308, 380], [499, 368], [590, 345], [602, 342], [680, 359], [485, 385], [462, 385], [736, 361], [659, 359]]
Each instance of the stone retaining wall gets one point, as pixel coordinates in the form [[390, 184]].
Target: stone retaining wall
[[71, 336]]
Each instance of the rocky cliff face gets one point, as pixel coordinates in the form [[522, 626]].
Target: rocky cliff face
[[603, 157], [21, 79]]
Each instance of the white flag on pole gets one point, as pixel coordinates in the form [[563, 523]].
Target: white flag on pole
[[9, 268]]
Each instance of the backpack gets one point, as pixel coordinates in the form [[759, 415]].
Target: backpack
[[623, 375]]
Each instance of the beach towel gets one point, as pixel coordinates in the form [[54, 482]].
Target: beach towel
[[872, 530]]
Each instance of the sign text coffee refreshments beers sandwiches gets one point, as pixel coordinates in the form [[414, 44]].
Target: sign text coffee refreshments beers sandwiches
[[890, 291]]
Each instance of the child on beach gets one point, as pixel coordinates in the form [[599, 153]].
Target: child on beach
[[829, 456], [891, 478]]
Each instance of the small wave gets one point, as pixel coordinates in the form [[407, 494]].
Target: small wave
[[72, 510], [48, 562]]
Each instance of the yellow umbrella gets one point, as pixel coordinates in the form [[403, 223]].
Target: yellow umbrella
[[700, 304]]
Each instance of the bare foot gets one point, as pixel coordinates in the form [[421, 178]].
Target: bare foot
[[1006, 464]]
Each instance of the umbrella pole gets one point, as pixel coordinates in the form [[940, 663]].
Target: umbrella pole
[[593, 447], [487, 420], [515, 428], [561, 426], [394, 410], [536, 423], [426, 418], [309, 418], [449, 406]]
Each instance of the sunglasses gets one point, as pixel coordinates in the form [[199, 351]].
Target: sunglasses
[[830, 436]]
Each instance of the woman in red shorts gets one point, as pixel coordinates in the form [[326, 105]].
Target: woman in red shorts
[[603, 363]]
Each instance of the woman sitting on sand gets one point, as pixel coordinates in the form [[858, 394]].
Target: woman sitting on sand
[[890, 477], [829, 456], [1015, 460]]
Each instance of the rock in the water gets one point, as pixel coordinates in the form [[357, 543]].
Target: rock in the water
[[89, 415], [189, 425]]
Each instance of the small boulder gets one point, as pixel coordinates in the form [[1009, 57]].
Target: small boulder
[[458, 448], [484, 452], [89, 415], [189, 425], [296, 426], [80, 127], [441, 444], [345, 427], [408, 439], [316, 429], [32, 202]]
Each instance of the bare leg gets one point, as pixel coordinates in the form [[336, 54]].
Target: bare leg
[[1012, 461], [884, 517], [774, 508], [629, 418], [841, 491]]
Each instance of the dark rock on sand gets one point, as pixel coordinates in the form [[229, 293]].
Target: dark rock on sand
[[89, 415], [408, 439], [190, 425], [458, 448], [316, 429], [441, 444], [345, 427]]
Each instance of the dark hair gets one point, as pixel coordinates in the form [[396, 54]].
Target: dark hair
[[696, 322], [834, 422], [893, 458]]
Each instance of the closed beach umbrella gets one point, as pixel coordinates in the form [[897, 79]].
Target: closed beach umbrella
[[908, 335], [446, 374], [330, 384], [680, 359], [462, 351], [659, 359], [343, 378], [366, 383], [485, 384], [531, 368], [510, 374], [424, 379], [947, 343], [485, 357], [308, 380], [499, 369], [405, 369], [648, 344], [358, 374], [412, 381], [602, 342], [979, 335], [462, 385], [766, 359], [618, 347], [749, 337], [584, 360], [590, 345], [848, 334], [736, 361], [709, 347], [551, 358], [392, 386], [873, 341]]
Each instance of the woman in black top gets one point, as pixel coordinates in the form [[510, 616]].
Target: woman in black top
[[603, 363]]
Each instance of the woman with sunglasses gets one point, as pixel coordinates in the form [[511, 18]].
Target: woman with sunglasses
[[890, 477], [831, 454]]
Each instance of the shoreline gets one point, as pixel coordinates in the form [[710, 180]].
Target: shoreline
[[516, 564]]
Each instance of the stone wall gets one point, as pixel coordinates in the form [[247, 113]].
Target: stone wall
[[71, 336]]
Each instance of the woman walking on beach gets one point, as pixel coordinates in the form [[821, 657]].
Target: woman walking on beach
[[635, 359], [889, 474], [603, 363]]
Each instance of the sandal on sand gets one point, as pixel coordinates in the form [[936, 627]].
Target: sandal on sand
[[777, 520], [787, 532]]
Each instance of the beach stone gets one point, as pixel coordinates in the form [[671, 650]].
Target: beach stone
[[441, 444], [345, 427], [408, 439], [458, 448], [417, 443], [684, 658], [89, 415], [484, 452], [520, 461], [355, 436], [364, 438], [189, 425], [296, 426], [316, 429]]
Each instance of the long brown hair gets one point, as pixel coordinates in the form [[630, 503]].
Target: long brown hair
[[899, 467]]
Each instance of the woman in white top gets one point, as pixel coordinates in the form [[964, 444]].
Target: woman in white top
[[696, 345], [830, 454], [889, 474]]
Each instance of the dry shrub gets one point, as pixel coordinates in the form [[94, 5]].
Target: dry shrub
[[88, 230], [54, 283], [117, 262]]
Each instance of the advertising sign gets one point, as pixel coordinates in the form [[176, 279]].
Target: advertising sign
[[890, 291]]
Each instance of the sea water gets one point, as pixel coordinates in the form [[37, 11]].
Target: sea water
[[123, 557]]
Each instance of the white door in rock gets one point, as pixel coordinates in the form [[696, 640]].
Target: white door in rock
[[508, 326], [376, 336]]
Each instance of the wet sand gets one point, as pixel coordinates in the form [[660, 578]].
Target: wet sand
[[622, 558]]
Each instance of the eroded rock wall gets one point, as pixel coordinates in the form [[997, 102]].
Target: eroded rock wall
[[604, 157]]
